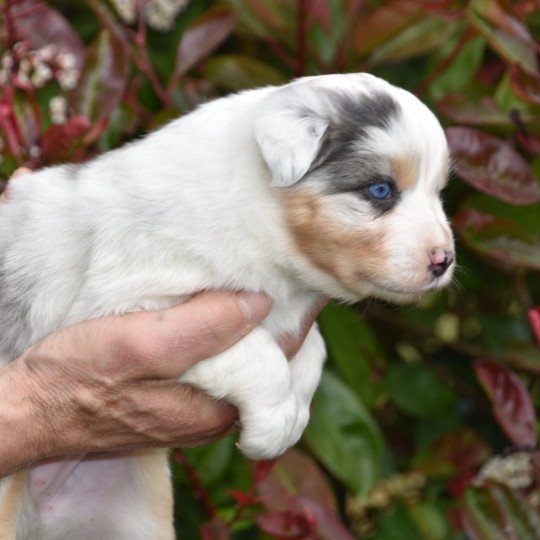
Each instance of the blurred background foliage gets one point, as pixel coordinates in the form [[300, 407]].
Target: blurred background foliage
[[425, 423]]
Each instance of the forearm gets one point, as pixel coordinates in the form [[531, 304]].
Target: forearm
[[22, 435]]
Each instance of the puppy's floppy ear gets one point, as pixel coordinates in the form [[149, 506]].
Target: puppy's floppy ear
[[289, 141]]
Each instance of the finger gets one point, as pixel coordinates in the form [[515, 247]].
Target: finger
[[164, 344], [291, 343], [18, 172], [160, 414]]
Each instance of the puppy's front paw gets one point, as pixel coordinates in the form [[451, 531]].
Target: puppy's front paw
[[268, 432]]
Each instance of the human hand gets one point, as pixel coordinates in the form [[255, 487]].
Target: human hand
[[110, 383]]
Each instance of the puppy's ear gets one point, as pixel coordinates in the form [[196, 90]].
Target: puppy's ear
[[289, 141]]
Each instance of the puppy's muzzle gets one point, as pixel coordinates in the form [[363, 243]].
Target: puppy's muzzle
[[440, 261]]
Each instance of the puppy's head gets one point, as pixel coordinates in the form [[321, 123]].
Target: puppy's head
[[359, 165]]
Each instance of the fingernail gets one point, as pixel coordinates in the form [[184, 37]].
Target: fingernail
[[254, 305]]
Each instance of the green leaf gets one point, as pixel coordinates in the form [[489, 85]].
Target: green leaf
[[461, 71], [235, 72], [353, 350], [511, 48], [417, 391], [430, 521], [384, 23], [419, 38], [212, 461], [343, 435]]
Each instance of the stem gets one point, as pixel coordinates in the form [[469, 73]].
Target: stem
[[9, 24], [142, 58], [301, 34], [198, 487], [281, 52]]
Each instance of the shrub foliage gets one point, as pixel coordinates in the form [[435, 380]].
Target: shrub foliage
[[425, 423]]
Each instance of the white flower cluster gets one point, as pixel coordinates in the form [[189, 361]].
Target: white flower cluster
[[515, 471], [36, 68], [159, 14], [58, 109]]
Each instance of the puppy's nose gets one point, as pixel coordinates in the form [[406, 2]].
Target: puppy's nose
[[440, 260]]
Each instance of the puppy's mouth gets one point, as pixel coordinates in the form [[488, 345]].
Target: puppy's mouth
[[404, 295]]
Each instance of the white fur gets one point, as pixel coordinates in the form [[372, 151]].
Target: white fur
[[193, 206]]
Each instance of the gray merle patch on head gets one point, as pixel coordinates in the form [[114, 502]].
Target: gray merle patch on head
[[340, 163]]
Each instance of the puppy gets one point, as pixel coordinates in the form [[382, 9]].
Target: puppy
[[326, 185]]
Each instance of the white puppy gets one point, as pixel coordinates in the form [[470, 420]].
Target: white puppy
[[326, 185]]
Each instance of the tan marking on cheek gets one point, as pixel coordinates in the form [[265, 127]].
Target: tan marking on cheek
[[405, 171], [10, 504], [350, 254]]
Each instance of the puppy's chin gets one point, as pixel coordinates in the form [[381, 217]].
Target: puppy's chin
[[397, 295]]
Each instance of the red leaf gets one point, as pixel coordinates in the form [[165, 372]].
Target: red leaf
[[534, 319], [492, 166], [61, 140], [287, 525], [512, 405], [214, 530], [295, 473], [328, 526], [498, 238], [203, 37], [525, 85], [104, 78], [462, 110], [42, 25], [531, 143]]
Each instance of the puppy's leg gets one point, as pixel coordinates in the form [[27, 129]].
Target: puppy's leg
[[306, 368], [12, 495], [254, 375]]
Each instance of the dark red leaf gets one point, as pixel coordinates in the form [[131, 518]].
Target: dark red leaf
[[215, 530], [44, 25], [458, 485], [498, 238], [453, 453], [491, 165], [287, 525], [203, 37], [60, 141], [462, 110], [531, 143], [296, 473], [104, 78], [534, 318], [512, 405], [328, 525], [525, 85]]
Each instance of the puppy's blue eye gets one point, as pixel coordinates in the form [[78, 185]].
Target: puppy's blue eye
[[380, 190]]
